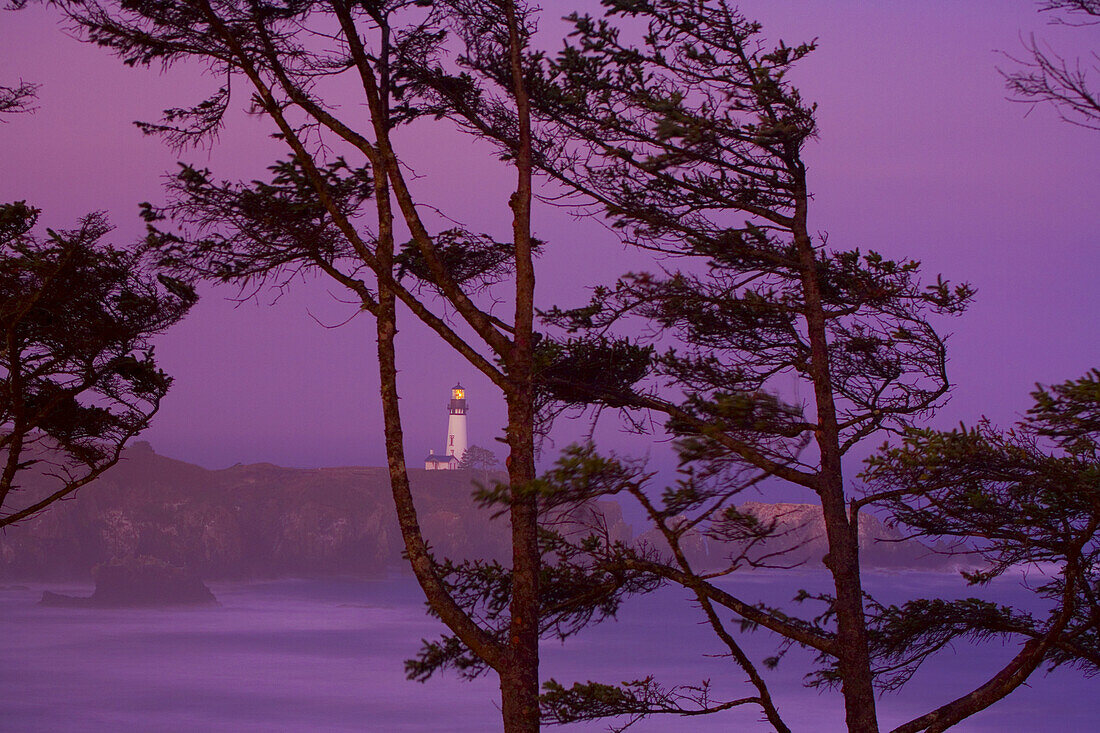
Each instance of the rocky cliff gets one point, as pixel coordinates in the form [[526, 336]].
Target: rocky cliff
[[254, 521], [265, 521], [798, 539]]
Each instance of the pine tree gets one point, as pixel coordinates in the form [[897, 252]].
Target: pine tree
[[1028, 497], [679, 123], [313, 214], [77, 375]]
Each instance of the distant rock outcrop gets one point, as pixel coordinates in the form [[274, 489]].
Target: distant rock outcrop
[[799, 539], [138, 582]]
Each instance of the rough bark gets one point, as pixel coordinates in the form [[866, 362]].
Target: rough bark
[[853, 658], [520, 683]]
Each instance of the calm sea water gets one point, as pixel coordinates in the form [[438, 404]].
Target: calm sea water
[[327, 656]]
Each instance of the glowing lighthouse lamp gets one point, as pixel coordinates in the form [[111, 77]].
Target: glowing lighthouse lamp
[[456, 434]]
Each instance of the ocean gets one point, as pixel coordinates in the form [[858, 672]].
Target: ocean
[[326, 655]]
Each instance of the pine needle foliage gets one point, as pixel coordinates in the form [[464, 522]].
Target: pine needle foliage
[[78, 378]]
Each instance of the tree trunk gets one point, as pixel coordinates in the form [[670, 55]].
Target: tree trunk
[[416, 546], [520, 681], [519, 694], [853, 657]]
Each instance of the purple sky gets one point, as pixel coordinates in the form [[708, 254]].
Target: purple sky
[[919, 155]]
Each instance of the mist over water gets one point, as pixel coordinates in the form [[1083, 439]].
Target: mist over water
[[327, 656]]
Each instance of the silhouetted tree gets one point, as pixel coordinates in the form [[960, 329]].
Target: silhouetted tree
[[690, 139], [681, 124], [1023, 498], [77, 374], [479, 459], [308, 218], [1043, 75]]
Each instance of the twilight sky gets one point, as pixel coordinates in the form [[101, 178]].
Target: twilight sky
[[919, 155]]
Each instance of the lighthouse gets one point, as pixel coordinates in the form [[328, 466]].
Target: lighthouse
[[455, 447], [456, 423]]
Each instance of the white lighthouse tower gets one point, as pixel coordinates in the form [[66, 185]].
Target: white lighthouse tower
[[456, 434], [456, 423]]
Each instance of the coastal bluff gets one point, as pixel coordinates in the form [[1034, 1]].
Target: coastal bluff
[[261, 521], [250, 522]]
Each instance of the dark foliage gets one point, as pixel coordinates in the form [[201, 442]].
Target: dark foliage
[[473, 261], [1044, 76], [263, 230], [17, 99], [678, 121], [78, 375], [1027, 498], [574, 592], [633, 700], [575, 373]]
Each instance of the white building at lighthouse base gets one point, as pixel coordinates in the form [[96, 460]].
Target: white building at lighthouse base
[[440, 463]]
